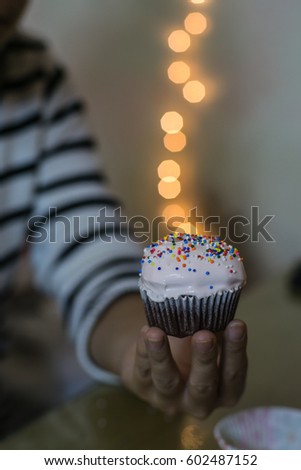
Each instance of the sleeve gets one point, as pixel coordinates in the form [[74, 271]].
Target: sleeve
[[78, 251]]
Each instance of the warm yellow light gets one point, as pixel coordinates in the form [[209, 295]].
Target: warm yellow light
[[186, 227], [195, 23], [179, 40], [194, 91], [193, 437], [173, 210], [178, 72], [169, 190], [172, 122], [175, 142], [197, 2], [169, 169]]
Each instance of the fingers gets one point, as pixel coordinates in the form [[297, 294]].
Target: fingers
[[155, 375], [233, 363], [214, 379], [202, 387], [142, 370], [165, 375]]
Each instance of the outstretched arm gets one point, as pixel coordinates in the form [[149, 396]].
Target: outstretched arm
[[194, 374]]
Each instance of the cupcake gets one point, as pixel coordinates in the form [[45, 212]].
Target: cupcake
[[190, 283]]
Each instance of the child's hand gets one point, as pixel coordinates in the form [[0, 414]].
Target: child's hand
[[194, 374]]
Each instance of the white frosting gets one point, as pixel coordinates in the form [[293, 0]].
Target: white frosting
[[211, 266]]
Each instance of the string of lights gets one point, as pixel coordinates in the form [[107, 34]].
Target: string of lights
[[172, 123]]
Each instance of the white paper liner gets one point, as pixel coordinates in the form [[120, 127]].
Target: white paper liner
[[187, 314], [260, 428]]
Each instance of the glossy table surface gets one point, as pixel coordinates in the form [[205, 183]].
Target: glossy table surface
[[108, 417]]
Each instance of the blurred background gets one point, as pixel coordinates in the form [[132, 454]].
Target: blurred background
[[242, 140]]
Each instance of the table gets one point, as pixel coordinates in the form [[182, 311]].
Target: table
[[109, 417]]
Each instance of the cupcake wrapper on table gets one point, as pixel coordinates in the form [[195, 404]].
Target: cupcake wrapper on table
[[187, 314]]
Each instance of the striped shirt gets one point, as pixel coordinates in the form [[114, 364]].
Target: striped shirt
[[52, 190]]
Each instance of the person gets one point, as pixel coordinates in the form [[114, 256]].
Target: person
[[49, 174]]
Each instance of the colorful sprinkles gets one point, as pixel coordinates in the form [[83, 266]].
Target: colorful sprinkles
[[183, 245]]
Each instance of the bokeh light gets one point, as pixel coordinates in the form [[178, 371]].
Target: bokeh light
[[173, 210], [175, 142], [197, 2], [169, 169], [172, 122], [178, 72], [169, 190], [195, 23], [194, 91], [187, 227], [179, 40], [192, 437]]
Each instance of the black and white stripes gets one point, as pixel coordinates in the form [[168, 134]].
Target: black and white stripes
[[49, 162]]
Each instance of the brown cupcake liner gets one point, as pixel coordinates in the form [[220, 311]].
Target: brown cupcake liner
[[187, 314]]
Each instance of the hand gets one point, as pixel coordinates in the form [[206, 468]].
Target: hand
[[194, 374]]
